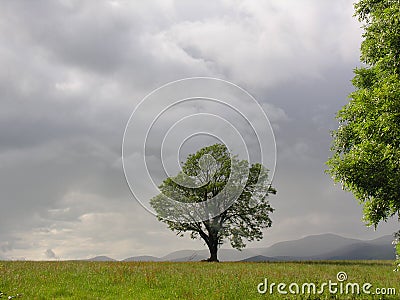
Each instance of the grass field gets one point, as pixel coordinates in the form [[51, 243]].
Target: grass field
[[194, 280]]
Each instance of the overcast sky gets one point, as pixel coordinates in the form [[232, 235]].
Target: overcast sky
[[73, 71]]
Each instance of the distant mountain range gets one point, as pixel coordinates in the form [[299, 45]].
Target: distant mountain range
[[101, 258], [314, 247], [142, 258]]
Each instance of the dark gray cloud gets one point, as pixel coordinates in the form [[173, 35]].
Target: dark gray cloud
[[73, 71], [50, 254]]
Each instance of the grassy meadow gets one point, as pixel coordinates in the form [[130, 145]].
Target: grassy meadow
[[192, 280]]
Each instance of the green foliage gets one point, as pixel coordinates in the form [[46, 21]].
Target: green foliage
[[396, 244], [366, 146], [382, 33], [213, 173]]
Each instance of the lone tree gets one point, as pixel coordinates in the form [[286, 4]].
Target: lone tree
[[216, 197], [366, 146]]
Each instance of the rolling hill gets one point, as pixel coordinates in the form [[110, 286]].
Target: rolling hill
[[315, 247], [328, 247], [100, 258], [142, 258]]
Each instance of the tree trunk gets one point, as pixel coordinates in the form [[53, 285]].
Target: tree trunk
[[213, 247]]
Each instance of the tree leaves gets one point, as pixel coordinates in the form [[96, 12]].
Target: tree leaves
[[243, 220], [366, 146]]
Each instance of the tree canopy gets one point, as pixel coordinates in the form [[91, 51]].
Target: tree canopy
[[366, 146], [232, 198]]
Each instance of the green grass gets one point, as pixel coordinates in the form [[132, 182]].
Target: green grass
[[194, 280]]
